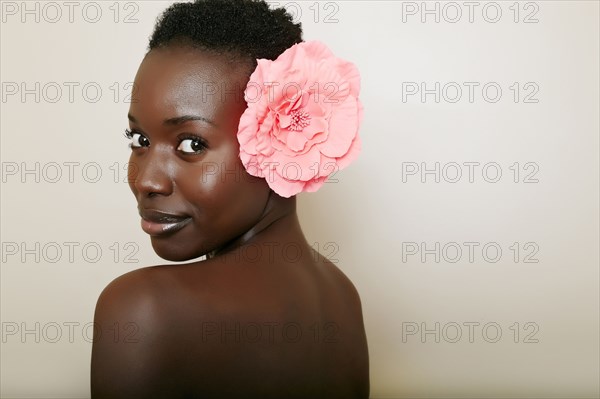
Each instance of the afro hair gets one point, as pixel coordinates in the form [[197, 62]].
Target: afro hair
[[240, 29]]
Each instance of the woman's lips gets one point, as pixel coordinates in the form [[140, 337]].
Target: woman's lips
[[157, 223], [157, 229]]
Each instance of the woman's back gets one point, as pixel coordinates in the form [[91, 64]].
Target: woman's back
[[260, 321]]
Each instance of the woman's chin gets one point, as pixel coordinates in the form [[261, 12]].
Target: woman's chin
[[173, 252]]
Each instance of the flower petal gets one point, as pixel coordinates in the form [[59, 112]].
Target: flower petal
[[352, 153], [284, 187], [296, 141], [303, 167], [343, 126]]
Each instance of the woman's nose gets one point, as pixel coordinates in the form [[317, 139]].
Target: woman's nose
[[150, 173]]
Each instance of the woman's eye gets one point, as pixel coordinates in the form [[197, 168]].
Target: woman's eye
[[191, 146], [137, 139]]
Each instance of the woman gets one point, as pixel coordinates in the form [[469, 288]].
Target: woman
[[263, 316]]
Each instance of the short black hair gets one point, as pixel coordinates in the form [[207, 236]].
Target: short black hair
[[239, 29]]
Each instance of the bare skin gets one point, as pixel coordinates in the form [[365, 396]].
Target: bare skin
[[265, 315]]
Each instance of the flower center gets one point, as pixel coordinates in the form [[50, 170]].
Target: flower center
[[300, 119]]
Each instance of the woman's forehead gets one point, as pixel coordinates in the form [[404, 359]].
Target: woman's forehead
[[187, 65], [188, 78]]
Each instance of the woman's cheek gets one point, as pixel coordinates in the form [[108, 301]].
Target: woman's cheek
[[132, 170]]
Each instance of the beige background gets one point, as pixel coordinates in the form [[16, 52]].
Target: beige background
[[367, 221]]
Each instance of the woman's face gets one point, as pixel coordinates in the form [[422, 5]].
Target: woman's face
[[193, 192]]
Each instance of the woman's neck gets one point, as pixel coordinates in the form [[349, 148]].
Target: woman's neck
[[279, 219]]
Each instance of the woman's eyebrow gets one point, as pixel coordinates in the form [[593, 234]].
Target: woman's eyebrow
[[185, 118], [178, 119]]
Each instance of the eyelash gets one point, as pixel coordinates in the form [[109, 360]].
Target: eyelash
[[129, 135]]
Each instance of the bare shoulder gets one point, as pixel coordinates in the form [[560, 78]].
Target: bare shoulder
[[342, 304], [130, 285], [337, 278], [145, 324], [130, 298], [128, 323]]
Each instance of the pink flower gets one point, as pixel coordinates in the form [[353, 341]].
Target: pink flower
[[302, 120]]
